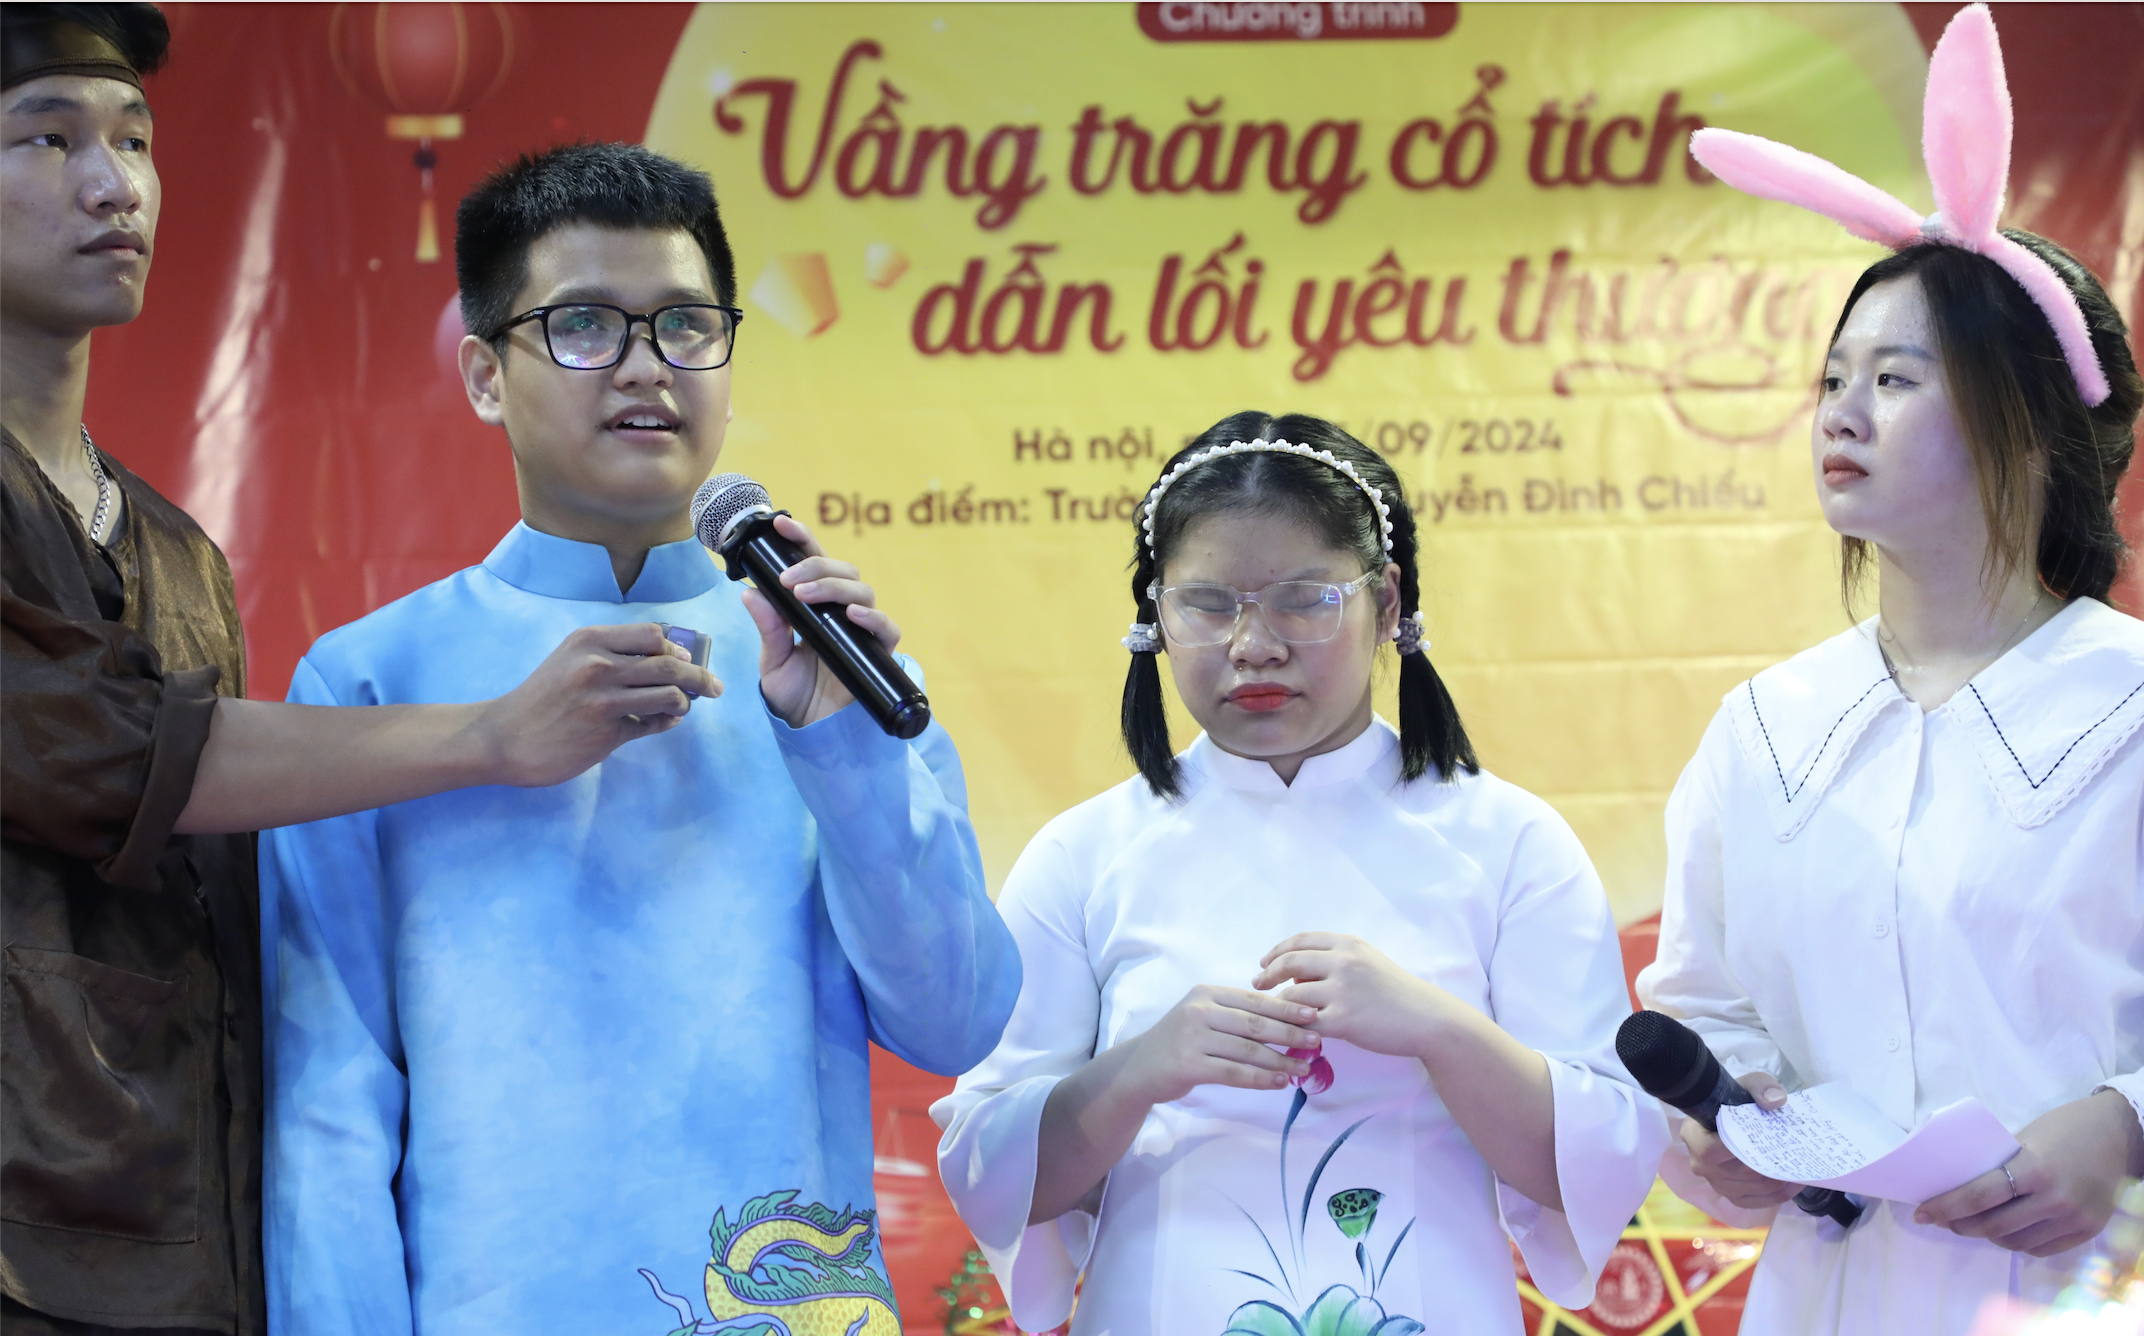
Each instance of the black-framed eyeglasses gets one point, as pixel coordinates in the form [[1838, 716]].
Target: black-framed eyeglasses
[[593, 336]]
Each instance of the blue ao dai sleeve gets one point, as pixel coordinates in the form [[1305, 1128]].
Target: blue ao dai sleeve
[[903, 885], [1556, 985], [993, 1118], [337, 1092]]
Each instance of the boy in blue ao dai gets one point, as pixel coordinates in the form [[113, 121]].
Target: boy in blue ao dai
[[594, 1057]]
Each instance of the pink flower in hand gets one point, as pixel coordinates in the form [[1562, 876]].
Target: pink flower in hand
[[1319, 1078]]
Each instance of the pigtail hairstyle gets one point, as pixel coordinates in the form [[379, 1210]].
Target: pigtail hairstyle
[[1145, 714], [1320, 497], [1431, 734]]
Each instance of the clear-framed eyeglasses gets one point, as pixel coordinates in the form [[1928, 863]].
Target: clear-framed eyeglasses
[[593, 336], [1299, 612]]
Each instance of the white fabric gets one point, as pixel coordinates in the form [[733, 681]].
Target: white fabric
[[1124, 903], [1928, 906]]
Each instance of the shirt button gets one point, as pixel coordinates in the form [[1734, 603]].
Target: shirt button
[[1883, 930], [1891, 1045]]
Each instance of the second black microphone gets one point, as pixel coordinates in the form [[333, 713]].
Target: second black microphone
[[1670, 1062], [734, 517]]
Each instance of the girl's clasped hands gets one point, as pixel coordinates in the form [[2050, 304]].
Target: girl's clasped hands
[[1254, 1039]]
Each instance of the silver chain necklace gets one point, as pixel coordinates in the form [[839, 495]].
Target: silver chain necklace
[[2017, 636], [104, 488]]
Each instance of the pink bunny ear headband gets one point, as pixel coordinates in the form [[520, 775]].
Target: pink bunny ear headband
[[1965, 140]]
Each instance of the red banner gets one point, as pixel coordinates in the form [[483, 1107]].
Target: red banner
[[1281, 21]]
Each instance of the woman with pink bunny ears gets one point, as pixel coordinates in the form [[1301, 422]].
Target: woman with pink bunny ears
[[1911, 859]]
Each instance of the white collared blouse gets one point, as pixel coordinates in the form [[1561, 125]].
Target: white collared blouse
[[1926, 905], [1253, 1211]]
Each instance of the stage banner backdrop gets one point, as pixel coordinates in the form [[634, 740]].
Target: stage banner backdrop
[[999, 261]]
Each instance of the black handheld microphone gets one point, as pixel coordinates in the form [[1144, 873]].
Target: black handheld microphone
[[734, 517], [1670, 1062]]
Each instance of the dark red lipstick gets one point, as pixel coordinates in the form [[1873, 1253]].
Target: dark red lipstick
[[1260, 696]]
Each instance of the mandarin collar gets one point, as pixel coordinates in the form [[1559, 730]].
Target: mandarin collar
[[553, 567], [1376, 743]]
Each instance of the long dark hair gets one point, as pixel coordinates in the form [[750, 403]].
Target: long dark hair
[[1321, 498], [2018, 406]]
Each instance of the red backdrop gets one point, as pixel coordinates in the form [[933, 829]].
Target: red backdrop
[[283, 383]]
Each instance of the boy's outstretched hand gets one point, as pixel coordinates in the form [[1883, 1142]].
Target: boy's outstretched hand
[[797, 686], [267, 763]]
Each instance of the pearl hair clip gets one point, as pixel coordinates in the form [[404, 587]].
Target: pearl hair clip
[[1211, 452], [1412, 635]]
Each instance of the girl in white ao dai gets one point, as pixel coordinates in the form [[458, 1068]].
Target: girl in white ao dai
[[1313, 1009]]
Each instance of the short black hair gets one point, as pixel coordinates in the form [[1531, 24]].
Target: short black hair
[[138, 30], [609, 185]]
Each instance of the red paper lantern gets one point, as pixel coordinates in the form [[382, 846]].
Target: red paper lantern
[[425, 65]]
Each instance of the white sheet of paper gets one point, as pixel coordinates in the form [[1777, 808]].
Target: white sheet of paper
[[1957, 1144], [1827, 1136], [1820, 1133]]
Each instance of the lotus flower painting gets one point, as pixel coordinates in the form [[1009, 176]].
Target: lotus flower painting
[[1295, 1303]]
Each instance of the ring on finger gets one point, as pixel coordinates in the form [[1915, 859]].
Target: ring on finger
[[2014, 1193]]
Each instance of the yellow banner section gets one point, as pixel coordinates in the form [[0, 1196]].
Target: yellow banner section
[[1001, 260]]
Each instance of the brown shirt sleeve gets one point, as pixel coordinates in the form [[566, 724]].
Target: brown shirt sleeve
[[100, 745], [99, 737]]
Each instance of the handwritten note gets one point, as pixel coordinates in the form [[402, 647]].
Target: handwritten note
[[1828, 1136]]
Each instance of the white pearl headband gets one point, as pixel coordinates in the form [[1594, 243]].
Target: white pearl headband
[[1153, 498]]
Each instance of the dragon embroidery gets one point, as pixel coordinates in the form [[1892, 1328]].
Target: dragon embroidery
[[788, 1269]]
